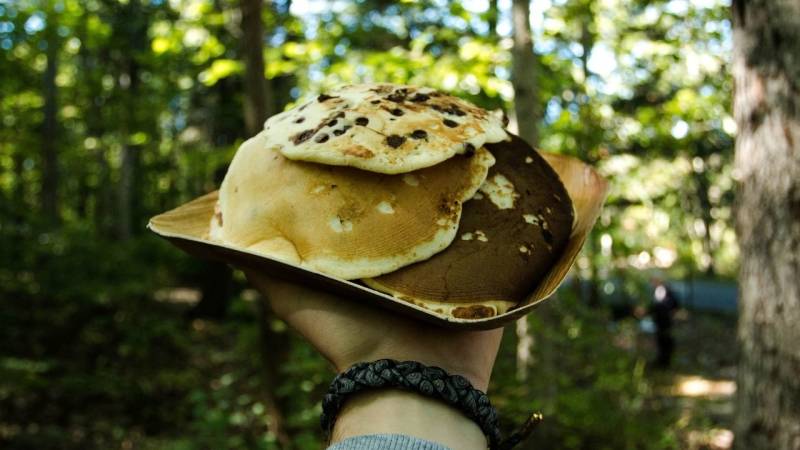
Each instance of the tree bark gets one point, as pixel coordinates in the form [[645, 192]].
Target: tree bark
[[524, 344], [92, 194], [274, 346], [19, 194], [586, 150], [256, 86], [703, 183], [125, 192], [766, 69], [49, 191], [130, 83], [523, 74], [523, 78], [130, 157], [492, 16], [274, 353]]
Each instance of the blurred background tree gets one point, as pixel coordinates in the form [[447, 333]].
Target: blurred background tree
[[767, 74], [114, 110]]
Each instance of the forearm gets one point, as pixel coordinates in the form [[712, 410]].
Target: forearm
[[388, 411]]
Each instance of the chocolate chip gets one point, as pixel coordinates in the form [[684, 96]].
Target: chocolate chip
[[548, 236], [324, 97], [362, 121], [469, 149], [342, 130], [300, 120], [419, 134], [397, 112], [322, 137], [332, 123], [398, 96], [419, 98], [302, 136], [375, 102], [395, 141], [453, 110], [450, 123]]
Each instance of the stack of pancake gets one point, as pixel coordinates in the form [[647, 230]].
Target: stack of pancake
[[416, 193]]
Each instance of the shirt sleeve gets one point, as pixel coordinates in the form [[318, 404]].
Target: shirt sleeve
[[386, 442]]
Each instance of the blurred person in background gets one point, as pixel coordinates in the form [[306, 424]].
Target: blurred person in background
[[662, 309]]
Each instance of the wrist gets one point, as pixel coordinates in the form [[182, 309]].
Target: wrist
[[476, 378], [391, 411]]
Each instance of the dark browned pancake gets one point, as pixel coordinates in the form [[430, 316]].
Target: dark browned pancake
[[506, 242]]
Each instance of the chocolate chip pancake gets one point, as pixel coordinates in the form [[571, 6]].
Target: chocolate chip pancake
[[511, 233]]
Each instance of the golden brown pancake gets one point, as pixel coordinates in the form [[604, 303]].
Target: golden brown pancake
[[384, 128], [511, 233], [342, 221]]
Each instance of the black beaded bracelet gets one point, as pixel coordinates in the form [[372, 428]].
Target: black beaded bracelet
[[429, 381]]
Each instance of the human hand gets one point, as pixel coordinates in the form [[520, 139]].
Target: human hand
[[346, 332]]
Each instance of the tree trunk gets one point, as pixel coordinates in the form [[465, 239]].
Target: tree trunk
[[274, 346], [95, 194], [129, 83], [130, 155], [274, 353], [491, 17], [19, 193], [256, 86], [523, 78], [49, 192], [524, 344], [766, 68], [586, 150], [105, 197], [703, 183], [124, 193], [523, 74]]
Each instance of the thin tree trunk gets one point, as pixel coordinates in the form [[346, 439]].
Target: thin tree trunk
[[130, 154], [492, 17], [523, 74], [524, 344], [125, 192], [92, 195], [274, 352], [766, 68], [129, 82], [256, 86], [523, 78], [49, 191], [587, 40], [19, 194], [274, 346], [105, 197], [703, 183]]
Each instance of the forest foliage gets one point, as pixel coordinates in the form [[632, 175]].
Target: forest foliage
[[112, 111]]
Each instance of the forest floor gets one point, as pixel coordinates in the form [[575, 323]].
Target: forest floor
[[702, 379]]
